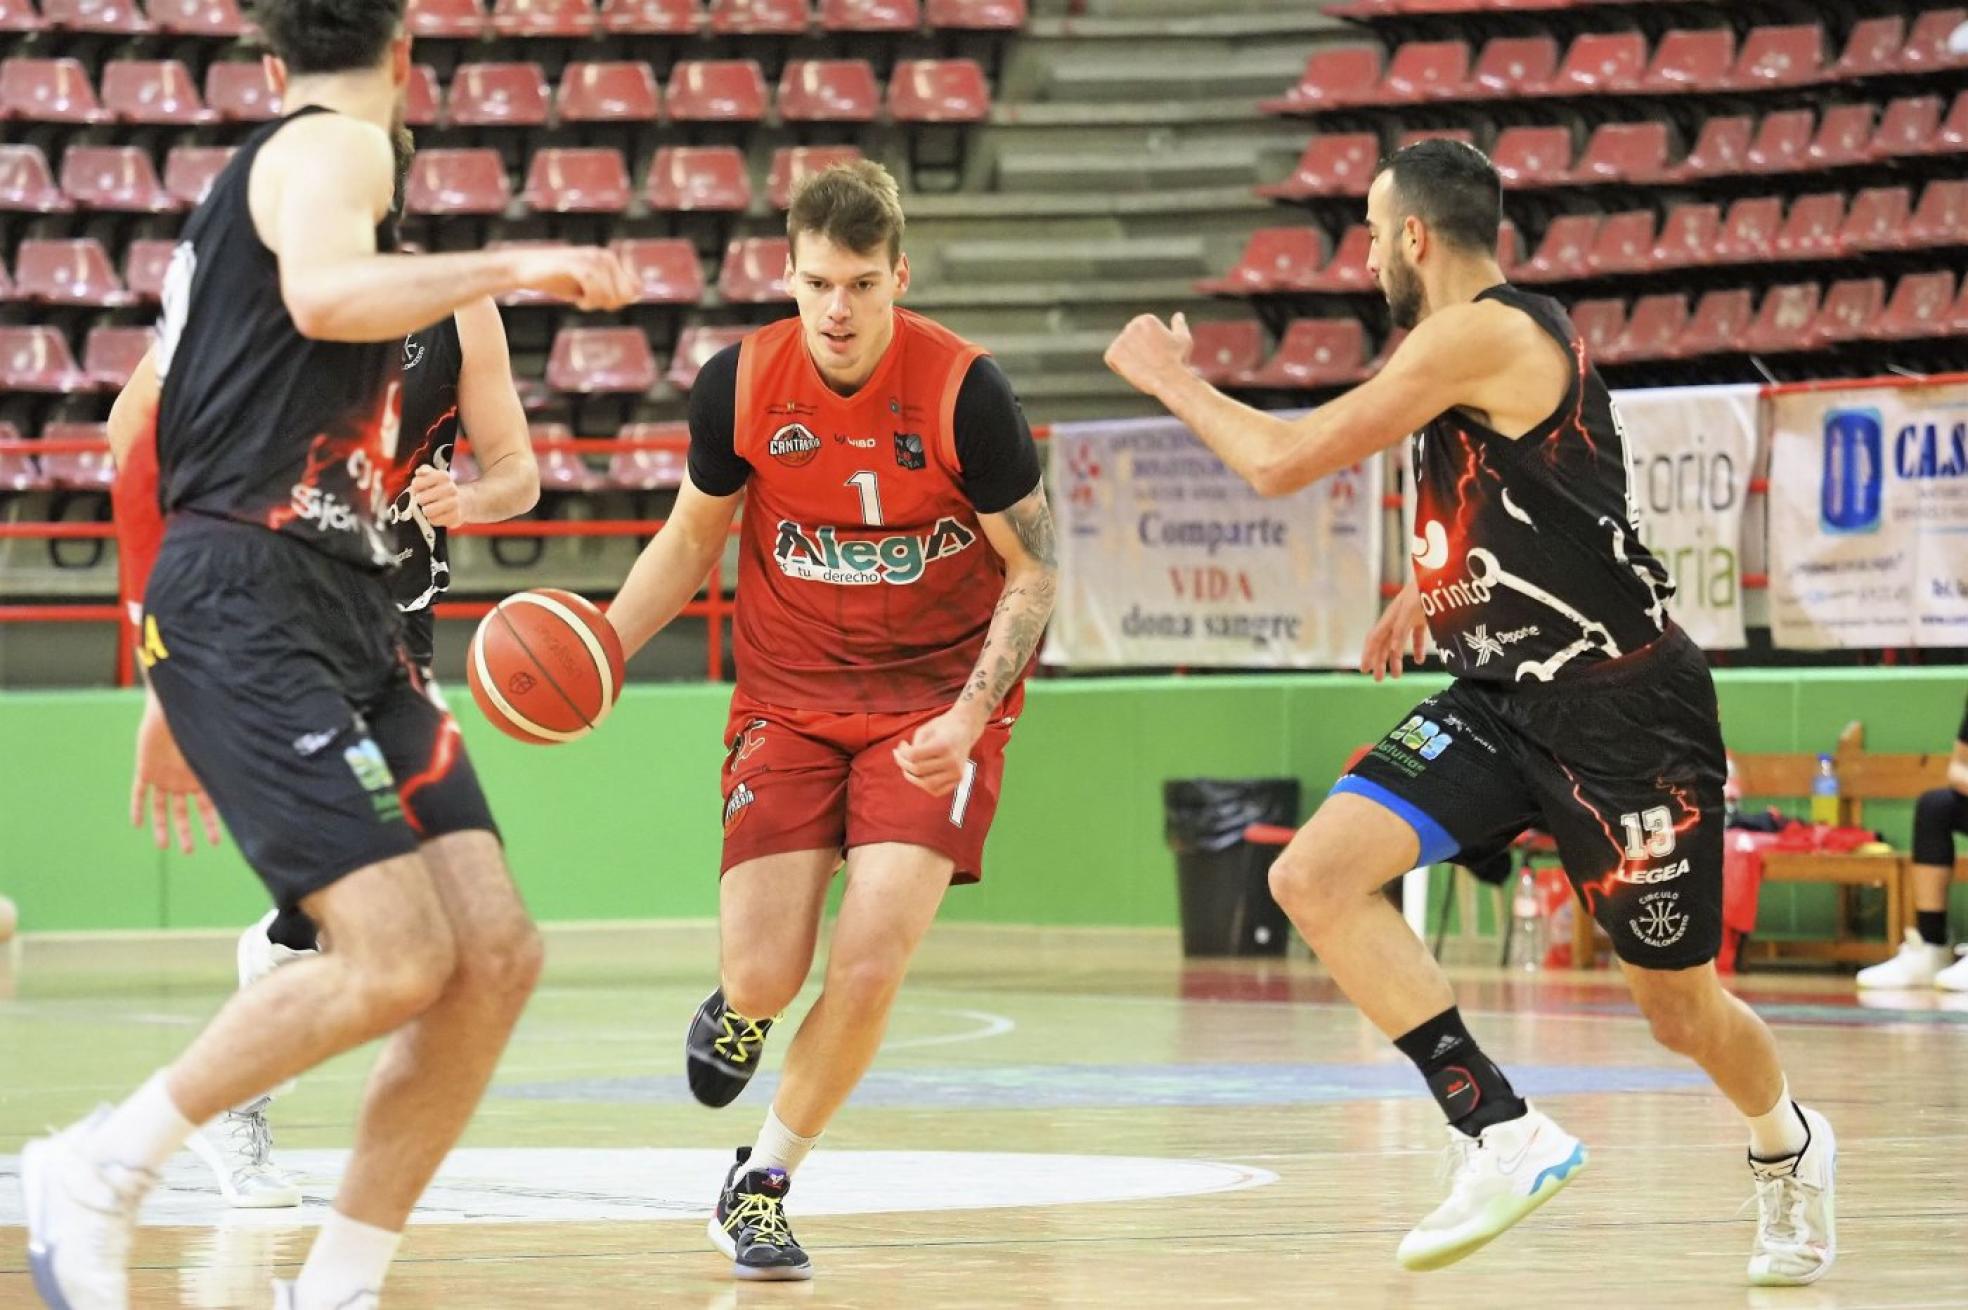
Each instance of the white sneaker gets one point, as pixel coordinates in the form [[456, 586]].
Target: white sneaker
[[79, 1219], [1495, 1180], [1954, 978], [238, 1148], [1796, 1223], [260, 956], [286, 1298], [1916, 965]]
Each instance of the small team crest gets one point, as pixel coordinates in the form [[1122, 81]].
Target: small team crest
[[793, 445], [909, 450], [734, 808], [413, 352]]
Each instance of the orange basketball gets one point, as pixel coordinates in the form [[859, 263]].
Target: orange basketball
[[545, 666]]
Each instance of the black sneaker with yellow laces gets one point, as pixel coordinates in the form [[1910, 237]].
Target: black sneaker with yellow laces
[[721, 1052], [750, 1225]]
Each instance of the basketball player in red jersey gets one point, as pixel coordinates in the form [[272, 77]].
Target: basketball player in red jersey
[[896, 571]]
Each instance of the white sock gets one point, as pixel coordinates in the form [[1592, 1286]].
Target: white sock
[[1778, 1133], [347, 1260], [778, 1146], [143, 1132]]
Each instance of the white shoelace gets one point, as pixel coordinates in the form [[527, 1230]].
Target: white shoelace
[[251, 1139]]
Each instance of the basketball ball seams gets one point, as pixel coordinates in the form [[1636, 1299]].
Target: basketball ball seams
[[488, 689], [563, 604], [512, 630]]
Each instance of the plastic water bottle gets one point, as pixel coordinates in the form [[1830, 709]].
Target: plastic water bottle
[[1824, 793], [1527, 923]]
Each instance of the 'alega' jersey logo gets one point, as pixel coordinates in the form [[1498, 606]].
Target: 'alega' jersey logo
[[819, 555]]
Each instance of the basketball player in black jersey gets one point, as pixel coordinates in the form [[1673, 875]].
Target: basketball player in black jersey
[[1578, 706], [272, 641]]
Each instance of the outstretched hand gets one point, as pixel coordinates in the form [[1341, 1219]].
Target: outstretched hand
[[164, 783], [1148, 351]]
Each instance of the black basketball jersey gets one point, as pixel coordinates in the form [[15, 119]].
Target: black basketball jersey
[[432, 360], [257, 422], [1528, 551]]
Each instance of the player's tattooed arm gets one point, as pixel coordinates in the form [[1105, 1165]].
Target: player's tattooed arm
[[1023, 535]]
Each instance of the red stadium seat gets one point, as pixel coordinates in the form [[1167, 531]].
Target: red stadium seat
[[239, 93], [1720, 150], [67, 272], [1844, 136], [1533, 156], [622, 92], [694, 349], [189, 171], [699, 179], [1958, 320], [1412, 135], [19, 16], [829, 91], [1692, 61], [1873, 48], [650, 470], [118, 178], [666, 269], [499, 95], [456, 20], [977, 15], [1624, 152], [543, 18], [870, 15], [77, 470], [1510, 245], [1316, 352], [423, 99], [1515, 67], [1942, 214], [1425, 70], [1332, 78], [457, 182], [26, 183], [1783, 142], [1625, 243], [213, 18], [1750, 232], [156, 91], [1910, 126], [754, 271], [1340, 164], [527, 296], [650, 17], [1226, 352], [1783, 320], [760, 17], [1562, 254], [578, 182], [1781, 56], [938, 91], [1602, 64], [1954, 132], [1274, 259], [1879, 220], [561, 469], [1689, 236], [608, 359], [793, 164], [1347, 269], [1921, 306], [109, 17], [49, 91], [1718, 324], [1810, 230], [19, 473], [144, 264], [1653, 332], [1927, 41], [38, 359], [111, 354], [1848, 311], [1599, 324], [716, 91]]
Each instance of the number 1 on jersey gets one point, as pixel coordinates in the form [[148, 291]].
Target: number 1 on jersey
[[871, 510]]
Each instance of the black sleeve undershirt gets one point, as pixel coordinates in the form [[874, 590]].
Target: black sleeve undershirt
[[995, 451], [716, 469], [1962, 736]]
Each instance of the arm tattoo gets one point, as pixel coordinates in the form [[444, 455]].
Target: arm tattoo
[[1020, 618]]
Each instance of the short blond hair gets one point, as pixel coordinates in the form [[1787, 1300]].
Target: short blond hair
[[856, 205]]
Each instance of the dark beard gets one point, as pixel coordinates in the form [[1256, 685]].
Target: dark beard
[[403, 145], [1404, 299]]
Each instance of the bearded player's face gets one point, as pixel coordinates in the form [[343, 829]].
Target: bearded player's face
[[1387, 256], [846, 304]]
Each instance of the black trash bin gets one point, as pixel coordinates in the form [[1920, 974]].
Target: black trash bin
[[1222, 879]]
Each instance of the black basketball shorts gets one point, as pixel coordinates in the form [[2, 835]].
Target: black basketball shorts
[[283, 677], [1622, 764]]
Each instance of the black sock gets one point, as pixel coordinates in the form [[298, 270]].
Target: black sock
[[294, 930], [1471, 1090], [1932, 925]]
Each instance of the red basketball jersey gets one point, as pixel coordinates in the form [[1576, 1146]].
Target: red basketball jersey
[[864, 579], [139, 522]]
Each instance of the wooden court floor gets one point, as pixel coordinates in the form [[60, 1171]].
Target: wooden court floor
[[1059, 1119]]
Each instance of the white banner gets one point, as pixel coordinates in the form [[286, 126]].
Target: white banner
[[1691, 451], [1168, 558], [1869, 517]]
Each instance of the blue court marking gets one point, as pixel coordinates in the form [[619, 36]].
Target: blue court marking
[[1562, 1170], [1436, 844], [1082, 1086]]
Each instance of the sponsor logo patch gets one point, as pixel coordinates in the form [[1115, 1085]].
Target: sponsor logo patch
[[793, 445], [909, 450], [1660, 921], [736, 806]]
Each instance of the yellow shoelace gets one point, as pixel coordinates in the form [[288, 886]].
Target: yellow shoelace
[[742, 1037], [765, 1216]]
